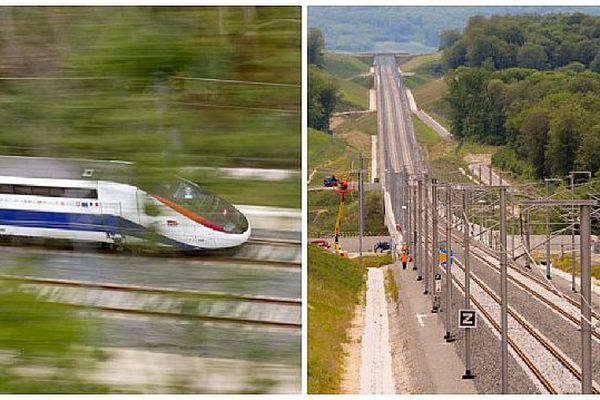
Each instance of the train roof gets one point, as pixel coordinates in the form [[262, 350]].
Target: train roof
[[66, 168]]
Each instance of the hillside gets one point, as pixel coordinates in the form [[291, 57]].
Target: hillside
[[404, 29]]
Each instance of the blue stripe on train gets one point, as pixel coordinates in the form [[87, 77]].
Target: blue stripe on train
[[80, 222]]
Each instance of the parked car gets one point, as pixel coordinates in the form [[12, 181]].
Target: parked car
[[330, 181], [382, 246], [321, 243]]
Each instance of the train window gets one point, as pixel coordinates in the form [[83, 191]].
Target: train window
[[47, 191], [7, 189], [57, 192], [22, 189], [79, 193], [40, 191]]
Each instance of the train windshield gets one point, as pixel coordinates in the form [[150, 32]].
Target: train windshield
[[207, 205]]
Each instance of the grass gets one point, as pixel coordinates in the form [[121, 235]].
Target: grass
[[414, 64], [343, 70], [335, 287], [425, 134], [356, 131], [329, 155], [429, 97], [377, 261], [427, 89], [391, 288], [354, 96], [345, 66], [564, 264]]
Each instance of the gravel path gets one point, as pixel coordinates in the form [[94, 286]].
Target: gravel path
[[376, 360]]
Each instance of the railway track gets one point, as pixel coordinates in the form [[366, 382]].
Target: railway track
[[572, 315], [552, 349], [540, 372], [165, 302]]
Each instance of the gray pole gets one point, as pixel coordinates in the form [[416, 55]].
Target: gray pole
[[402, 204], [527, 237], [480, 176], [426, 241], [503, 290], [467, 240], [414, 227], [434, 240], [512, 230], [448, 336], [573, 221], [361, 222], [420, 253], [490, 168], [548, 232], [586, 299]]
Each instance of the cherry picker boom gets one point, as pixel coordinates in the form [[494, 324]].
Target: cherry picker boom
[[342, 189]]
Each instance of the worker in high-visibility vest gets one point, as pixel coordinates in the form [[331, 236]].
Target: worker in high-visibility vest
[[404, 259]]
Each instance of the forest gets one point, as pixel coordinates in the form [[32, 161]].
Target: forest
[[531, 83]]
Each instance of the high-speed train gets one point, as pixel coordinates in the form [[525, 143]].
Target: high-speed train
[[180, 214]]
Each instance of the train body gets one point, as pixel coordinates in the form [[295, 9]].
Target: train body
[[181, 215]]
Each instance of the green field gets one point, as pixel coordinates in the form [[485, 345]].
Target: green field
[[344, 71], [427, 87], [356, 131], [335, 287], [345, 66]]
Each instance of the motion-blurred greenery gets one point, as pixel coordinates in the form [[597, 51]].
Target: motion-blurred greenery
[[44, 347], [129, 83]]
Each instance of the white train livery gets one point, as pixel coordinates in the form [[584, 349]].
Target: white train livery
[[182, 215]]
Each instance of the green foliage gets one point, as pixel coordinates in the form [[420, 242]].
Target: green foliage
[[49, 339], [335, 285], [546, 118], [564, 138], [336, 87], [528, 40], [316, 47], [448, 38], [532, 55], [323, 96], [115, 85]]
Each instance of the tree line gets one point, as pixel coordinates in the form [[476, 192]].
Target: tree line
[[323, 92], [529, 83], [530, 41]]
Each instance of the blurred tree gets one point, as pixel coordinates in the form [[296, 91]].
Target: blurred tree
[[316, 47], [448, 38]]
